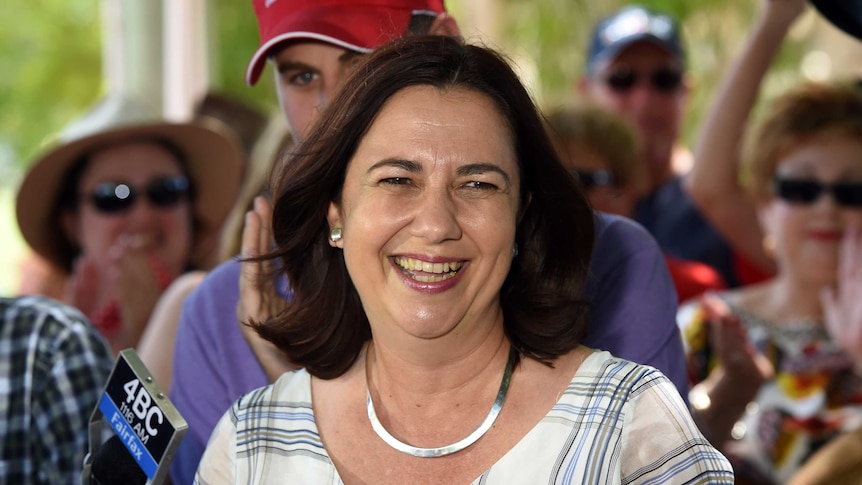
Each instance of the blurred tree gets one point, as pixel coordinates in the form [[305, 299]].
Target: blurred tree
[[234, 38], [50, 71]]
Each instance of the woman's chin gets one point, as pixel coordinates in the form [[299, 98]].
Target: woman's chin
[[426, 325]]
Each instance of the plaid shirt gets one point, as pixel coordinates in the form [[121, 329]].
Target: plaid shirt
[[53, 366]]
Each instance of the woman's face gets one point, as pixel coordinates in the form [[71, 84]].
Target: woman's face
[[808, 235], [612, 198], [162, 230], [428, 211]]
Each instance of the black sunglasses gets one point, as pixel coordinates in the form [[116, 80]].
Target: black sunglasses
[[592, 178], [664, 80], [114, 197], [807, 191]]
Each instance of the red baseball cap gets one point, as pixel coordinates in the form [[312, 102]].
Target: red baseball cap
[[358, 25]]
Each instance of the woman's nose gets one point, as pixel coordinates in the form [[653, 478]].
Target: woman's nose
[[142, 212], [436, 216]]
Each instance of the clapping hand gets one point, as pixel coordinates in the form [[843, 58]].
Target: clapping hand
[[119, 293], [137, 277], [738, 356], [842, 306], [259, 299], [84, 288]]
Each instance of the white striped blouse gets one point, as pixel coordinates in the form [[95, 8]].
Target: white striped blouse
[[617, 422]]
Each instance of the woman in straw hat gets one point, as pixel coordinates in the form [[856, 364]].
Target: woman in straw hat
[[124, 204]]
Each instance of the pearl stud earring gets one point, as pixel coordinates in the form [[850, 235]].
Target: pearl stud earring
[[335, 234]]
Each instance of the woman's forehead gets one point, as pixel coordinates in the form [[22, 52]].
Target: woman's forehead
[[131, 159], [426, 123]]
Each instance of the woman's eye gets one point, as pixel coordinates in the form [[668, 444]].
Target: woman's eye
[[395, 181], [477, 185]]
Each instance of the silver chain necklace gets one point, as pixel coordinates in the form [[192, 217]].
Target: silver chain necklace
[[458, 445]]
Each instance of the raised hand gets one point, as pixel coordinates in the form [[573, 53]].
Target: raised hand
[[259, 299], [84, 288], [739, 358], [723, 396], [137, 278], [784, 11], [842, 306]]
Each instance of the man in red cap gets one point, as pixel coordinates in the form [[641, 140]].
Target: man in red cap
[[312, 44]]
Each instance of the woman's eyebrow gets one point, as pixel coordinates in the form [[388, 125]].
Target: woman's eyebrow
[[478, 168], [408, 165]]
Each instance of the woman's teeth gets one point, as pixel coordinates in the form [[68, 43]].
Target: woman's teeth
[[433, 272]]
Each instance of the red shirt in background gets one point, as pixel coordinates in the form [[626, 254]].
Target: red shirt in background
[[692, 278]]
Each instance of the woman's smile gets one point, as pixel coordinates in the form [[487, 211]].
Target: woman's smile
[[429, 276], [426, 271]]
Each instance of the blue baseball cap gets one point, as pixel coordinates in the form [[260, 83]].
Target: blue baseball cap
[[629, 25]]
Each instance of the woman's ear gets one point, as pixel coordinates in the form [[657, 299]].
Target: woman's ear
[[333, 217]]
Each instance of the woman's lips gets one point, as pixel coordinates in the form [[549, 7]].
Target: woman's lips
[[139, 240], [824, 235]]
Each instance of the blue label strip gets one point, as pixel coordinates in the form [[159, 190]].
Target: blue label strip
[[128, 436]]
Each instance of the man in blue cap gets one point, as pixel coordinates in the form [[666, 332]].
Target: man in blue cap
[[636, 68]]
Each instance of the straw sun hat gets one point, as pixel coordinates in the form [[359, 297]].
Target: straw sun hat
[[213, 161]]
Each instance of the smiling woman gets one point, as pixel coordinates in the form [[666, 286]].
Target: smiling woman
[[123, 204], [443, 196], [459, 170], [436, 249]]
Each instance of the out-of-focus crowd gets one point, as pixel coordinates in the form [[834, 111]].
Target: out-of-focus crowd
[[341, 293]]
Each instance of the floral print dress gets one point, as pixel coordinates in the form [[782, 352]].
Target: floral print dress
[[813, 397]]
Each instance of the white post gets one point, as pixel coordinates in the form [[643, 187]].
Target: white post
[[186, 78], [132, 49]]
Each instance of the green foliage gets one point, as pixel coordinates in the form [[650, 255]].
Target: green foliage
[[50, 60], [234, 38]]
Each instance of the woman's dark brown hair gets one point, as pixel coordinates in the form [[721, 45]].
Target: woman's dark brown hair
[[324, 326]]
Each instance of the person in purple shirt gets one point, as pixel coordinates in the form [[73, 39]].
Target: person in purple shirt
[[633, 301]]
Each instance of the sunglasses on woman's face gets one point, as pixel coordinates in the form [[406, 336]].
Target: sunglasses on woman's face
[[116, 197], [664, 80], [807, 191], [593, 178]]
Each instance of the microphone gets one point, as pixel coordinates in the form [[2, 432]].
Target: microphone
[[112, 463], [146, 428]]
